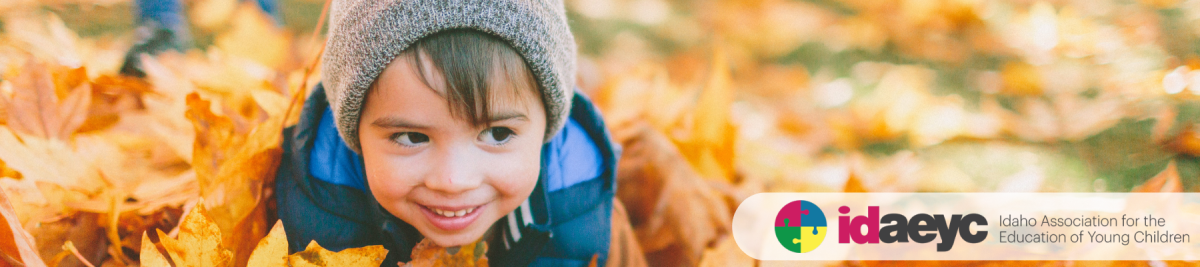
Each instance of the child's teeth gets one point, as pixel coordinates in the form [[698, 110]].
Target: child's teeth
[[446, 213]]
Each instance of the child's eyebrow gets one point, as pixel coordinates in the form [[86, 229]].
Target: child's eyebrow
[[503, 116], [394, 122]]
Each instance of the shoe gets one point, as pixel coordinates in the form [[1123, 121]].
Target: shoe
[[154, 39]]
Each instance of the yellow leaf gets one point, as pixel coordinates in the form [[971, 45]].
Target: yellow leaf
[[674, 211], [17, 247], [199, 242], [853, 185], [255, 36], [315, 255], [1187, 142], [210, 14], [1021, 79], [215, 136], [726, 253], [272, 250], [36, 110], [45, 37], [232, 170], [428, 254], [47, 160], [710, 147], [150, 256]]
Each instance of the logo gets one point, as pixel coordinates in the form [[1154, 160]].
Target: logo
[[800, 226], [921, 228]]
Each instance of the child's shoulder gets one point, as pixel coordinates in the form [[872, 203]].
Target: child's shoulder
[[580, 173], [580, 162]]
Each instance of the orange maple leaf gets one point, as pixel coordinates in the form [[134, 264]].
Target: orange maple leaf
[[35, 108]]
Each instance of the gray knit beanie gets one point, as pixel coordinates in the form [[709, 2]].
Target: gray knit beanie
[[366, 35]]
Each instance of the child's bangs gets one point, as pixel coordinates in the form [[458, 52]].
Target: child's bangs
[[474, 71]]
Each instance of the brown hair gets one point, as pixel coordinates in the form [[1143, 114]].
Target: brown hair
[[466, 61]]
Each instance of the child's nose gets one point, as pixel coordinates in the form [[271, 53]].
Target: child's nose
[[454, 171]]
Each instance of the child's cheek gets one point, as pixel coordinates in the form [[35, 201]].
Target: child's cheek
[[390, 184], [516, 177]]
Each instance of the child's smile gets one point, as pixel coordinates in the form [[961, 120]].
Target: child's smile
[[451, 218], [449, 175]]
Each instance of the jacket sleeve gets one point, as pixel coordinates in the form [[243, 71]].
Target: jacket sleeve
[[335, 216], [303, 203], [305, 222]]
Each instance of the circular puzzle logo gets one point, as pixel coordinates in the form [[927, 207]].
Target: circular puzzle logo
[[800, 226]]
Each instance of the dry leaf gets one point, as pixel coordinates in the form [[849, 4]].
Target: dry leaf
[[36, 110], [1187, 142], [211, 14], [854, 185], [710, 144], [428, 254], [199, 242], [48, 160], [255, 36], [1021, 79], [16, 245], [232, 169], [726, 253], [150, 256], [674, 211], [315, 255], [272, 250]]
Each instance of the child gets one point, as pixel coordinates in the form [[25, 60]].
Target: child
[[453, 121]]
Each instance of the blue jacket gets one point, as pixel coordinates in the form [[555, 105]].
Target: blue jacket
[[322, 195]]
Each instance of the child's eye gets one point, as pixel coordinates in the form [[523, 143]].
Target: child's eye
[[496, 135], [410, 138]]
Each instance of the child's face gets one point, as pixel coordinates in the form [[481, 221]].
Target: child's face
[[448, 178]]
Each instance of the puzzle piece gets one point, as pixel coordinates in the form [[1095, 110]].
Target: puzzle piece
[[811, 233]]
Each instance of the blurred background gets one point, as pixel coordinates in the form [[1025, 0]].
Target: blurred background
[[714, 100]]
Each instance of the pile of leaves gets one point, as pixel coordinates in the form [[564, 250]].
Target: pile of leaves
[[712, 100]]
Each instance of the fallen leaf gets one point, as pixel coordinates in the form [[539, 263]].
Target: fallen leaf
[[150, 255], [46, 37], [36, 110], [674, 210], [315, 255], [198, 243], [1021, 79], [255, 36], [726, 253], [233, 169], [48, 160], [16, 245], [211, 14], [272, 250], [428, 254], [854, 185], [1187, 142], [710, 144]]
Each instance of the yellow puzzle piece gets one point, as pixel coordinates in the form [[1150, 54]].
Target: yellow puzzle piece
[[807, 234]]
